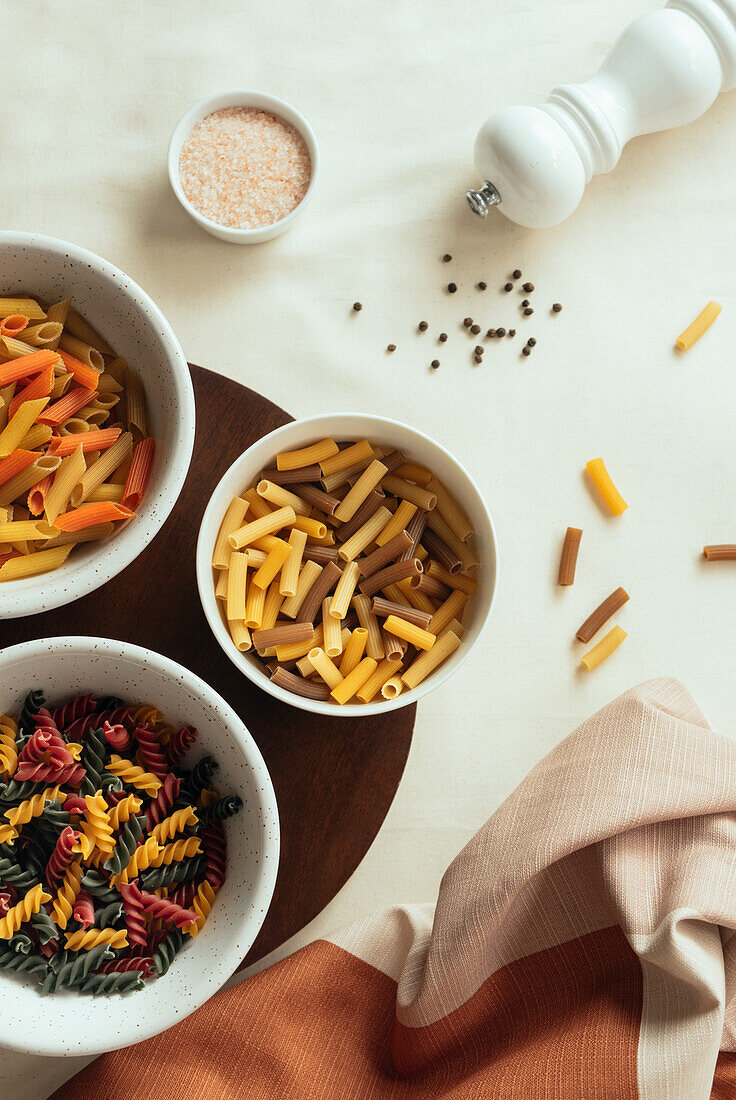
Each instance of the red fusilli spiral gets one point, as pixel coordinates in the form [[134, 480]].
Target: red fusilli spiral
[[163, 801], [133, 913], [70, 712], [163, 907], [116, 736], [45, 746], [5, 902], [45, 719], [84, 909], [144, 963], [155, 939], [78, 730], [184, 894], [151, 752], [61, 856], [70, 774], [215, 853], [182, 740], [49, 949], [75, 804]]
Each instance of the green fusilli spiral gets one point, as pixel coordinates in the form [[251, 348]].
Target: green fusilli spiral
[[128, 839], [94, 755], [185, 870], [117, 982], [166, 951], [72, 972], [14, 875], [22, 964]]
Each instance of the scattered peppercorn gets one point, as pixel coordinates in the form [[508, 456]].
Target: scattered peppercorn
[[452, 287], [423, 326], [528, 287], [442, 337], [500, 332], [357, 306], [528, 311], [557, 308], [478, 358], [434, 364], [482, 286], [511, 332], [446, 258], [391, 347], [491, 333], [532, 342], [526, 351], [525, 302], [468, 322], [508, 286], [516, 274], [479, 349], [475, 329]]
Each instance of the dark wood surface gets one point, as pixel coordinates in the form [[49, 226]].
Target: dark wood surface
[[334, 778]]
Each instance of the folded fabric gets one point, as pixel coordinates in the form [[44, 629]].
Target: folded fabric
[[582, 948]]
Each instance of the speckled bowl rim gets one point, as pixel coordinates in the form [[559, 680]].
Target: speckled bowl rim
[[116, 553], [243, 930], [241, 97]]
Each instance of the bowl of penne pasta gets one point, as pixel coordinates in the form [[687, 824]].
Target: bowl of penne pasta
[[137, 859], [96, 422], [347, 564]]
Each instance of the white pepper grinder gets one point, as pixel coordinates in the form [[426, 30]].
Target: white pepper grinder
[[665, 70]]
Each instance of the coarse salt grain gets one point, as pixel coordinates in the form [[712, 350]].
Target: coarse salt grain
[[244, 168]]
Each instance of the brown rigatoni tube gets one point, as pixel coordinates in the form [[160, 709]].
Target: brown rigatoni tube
[[392, 573], [393, 460], [369, 506], [322, 587], [390, 551], [569, 556], [382, 608], [282, 634], [299, 686], [722, 552], [292, 477], [415, 530], [312, 495], [441, 552], [602, 614], [431, 587], [320, 554]]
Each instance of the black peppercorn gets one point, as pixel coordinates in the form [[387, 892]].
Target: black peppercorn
[[475, 329], [491, 333], [508, 286], [446, 258], [452, 287], [557, 308], [528, 287], [357, 306], [434, 364], [532, 342], [482, 286], [442, 337], [391, 347], [528, 311], [468, 322], [500, 332], [511, 332], [479, 349], [526, 351], [422, 326], [525, 302], [516, 274]]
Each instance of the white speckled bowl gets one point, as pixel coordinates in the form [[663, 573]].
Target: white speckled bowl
[[136, 328], [66, 1023], [417, 447]]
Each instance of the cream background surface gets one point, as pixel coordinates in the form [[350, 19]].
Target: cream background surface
[[396, 92]]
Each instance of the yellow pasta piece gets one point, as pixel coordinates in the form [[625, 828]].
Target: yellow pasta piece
[[131, 774], [366, 618], [420, 639], [348, 457], [63, 905], [144, 856], [452, 580], [324, 667], [240, 635], [174, 823], [8, 750], [450, 609], [393, 687], [202, 905], [282, 498], [272, 565], [314, 528], [233, 519], [603, 483], [179, 850], [605, 648], [331, 630], [29, 905], [451, 511], [258, 506], [26, 530], [398, 522], [86, 939], [378, 678], [34, 806], [407, 490], [237, 579], [292, 651], [343, 593], [27, 306], [266, 525], [123, 810], [254, 606], [19, 425], [95, 829], [427, 662], [370, 532], [292, 566], [307, 456], [345, 691], [701, 323], [353, 651], [271, 606], [8, 834], [365, 485]]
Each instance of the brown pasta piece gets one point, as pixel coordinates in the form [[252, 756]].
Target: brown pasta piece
[[601, 614], [396, 572], [322, 587], [431, 587], [317, 497], [569, 556], [371, 504], [393, 460], [415, 529], [282, 634], [724, 552], [292, 477], [441, 552], [394, 647], [382, 608], [299, 686], [392, 550], [320, 554]]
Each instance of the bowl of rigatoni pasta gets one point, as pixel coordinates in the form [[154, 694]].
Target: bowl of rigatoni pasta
[[96, 422], [347, 564]]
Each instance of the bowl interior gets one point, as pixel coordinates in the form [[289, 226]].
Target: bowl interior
[[135, 328], [65, 1023], [417, 447]]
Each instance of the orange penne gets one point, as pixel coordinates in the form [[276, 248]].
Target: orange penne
[[40, 386], [86, 376], [89, 441], [140, 468], [66, 406], [37, 495], [15, 463], [12, 325], [88, 514], [28, 365]]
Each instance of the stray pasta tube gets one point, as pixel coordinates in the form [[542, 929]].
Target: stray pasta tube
[[604, 484], [569, 556], [604, 649], [722, 552], [602, 614], [702, 322]]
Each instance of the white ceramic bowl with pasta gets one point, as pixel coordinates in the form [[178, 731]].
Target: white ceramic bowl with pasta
[[390, 434], [125, 315], [68, 1023]]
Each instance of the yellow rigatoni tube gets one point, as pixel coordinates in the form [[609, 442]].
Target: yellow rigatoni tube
[[292, 606], [605, 648], [282, 498], [604, 484], [425, 663], [272, 565], [254, 605], [237, 575], [325, 667], [292, 566], [368, 533], [354, 650], [307, 456], [332, 630], [420, 639], [702, 322], [451, 609], [378, 678], [266, 525], [344, 692], [343, 593], [398, 522], [233, 519]]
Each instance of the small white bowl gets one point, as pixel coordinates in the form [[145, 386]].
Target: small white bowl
[[68, 1023], [264, 102], [387, 433], [133, 324]]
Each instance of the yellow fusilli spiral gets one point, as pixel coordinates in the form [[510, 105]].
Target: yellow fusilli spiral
[[85, 940], [202, 904], [125, 809], [207, 796], [180, 849], [132, 774], [75, 749], [8, 751], [96, 831], [23, 911], [66, 895], [164, 733], [33, 807], [144, 856], [174, 823], [7, 834], [147, 715]]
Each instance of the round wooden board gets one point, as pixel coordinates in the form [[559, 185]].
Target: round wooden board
[[334, 778]]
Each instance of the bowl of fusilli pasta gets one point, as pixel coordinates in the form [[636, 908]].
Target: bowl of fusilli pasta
[[139, 844]]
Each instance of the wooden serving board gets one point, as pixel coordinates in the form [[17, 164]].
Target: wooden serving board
[[334, 778]]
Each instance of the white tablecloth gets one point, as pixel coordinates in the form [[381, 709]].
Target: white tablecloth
[[395, 91]]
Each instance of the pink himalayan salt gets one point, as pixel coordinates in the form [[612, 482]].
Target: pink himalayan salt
[[244, 168]]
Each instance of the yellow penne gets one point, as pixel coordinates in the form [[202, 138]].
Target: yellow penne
[[313, 528], [452, 580], [407, 490], [44, 335], [108, 491], [81, 351], [221, 586], [27, 306], [88, 534], [27, 478], [68, 475], [30, 565], [36, 437], [393, 687], [240, 635], [452, 608], [348, 457], [100, 470], [702, 322], [23, 530], [259, 507], [18, 425], [135, 405], [271, 606]]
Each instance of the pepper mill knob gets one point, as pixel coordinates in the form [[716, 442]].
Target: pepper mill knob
[[665, 70]]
